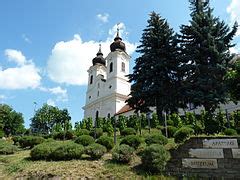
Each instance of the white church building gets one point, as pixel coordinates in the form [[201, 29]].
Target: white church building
[[108, 87]]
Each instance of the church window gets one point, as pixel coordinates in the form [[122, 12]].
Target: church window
[[108, 115], [123, 67], [98, 93], [98, 85], [111, 67], [110, 86], [91, 79], [89, 97], [97, 114]]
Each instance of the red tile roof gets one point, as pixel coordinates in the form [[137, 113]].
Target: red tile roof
[[124, 109]]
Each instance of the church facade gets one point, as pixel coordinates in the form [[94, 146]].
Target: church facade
[[108, 87]]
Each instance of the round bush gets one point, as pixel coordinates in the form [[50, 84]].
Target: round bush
[[7, 148], [95, 151], [154, 158], [132, 140], [128, 131], [156, 139], [171, 131], [63, 135], [43, 151], [122, 153], [182, 134], [30, 141], [106, 141], [81, 132], [84, 140], [230, 132], [99, 132], [67, 151], [170, 122]]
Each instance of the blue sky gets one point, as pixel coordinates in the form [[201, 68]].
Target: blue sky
[[47, 46]]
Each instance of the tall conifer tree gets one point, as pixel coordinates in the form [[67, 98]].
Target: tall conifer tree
[[205, 47], [154, 77]]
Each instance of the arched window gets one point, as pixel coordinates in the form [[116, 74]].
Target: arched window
[[97, 93], [111, 67], [123, 67], [91, 79], [96, 118]]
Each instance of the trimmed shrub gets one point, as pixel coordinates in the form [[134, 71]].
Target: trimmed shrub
[[81, 132], [30, 141], [67, 151], [63, 135], [99, 132], [154, 158], [44, 150], [230, 132], [182, 134], [7, 148], [171, 131], [95, 151], [84, 140], [122, 153], [132, 140], [106, 141], [128, 131], [156, 139]]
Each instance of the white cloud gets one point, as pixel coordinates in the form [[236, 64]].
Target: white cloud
[[2, 97], [15, 56], [25, 75], [234, 10], [51, 102], [61, 94], [26, 38], [103, 17], [70, 60]]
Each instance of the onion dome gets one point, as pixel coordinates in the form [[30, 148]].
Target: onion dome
[[99, 58], [117, 44]]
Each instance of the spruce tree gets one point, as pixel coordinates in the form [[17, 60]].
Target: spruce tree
[[205, 56], [154, 77]]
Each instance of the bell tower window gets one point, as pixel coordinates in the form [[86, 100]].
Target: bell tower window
[[91, 79], [111, 67], [123, 67]]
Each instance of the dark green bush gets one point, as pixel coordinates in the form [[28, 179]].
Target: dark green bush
[[171, 131], [16, 139], [95, 151], [170, 122], [63, 135], [182, 134], [128, 131], [156, 139], [132, 140], [122, 153], [7, 148], [230, 132], [81, 132], [84, 140], [99, 132], [154, 158], [67, 151], [30, 141], [106, 141], [44, 150]]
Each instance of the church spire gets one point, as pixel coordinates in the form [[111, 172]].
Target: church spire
[[99, 59], [117, 44]]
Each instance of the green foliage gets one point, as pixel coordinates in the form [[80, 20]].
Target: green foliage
[[170, 122], [230, 132], [7, 148], [156, 139], [154, 121], [122, 153], [30, 141], [99, 132], [171, 131], [67, 151], [81, 132], [15, 139], [95, 151], [177, 121], [84, 140], [128, 131], [63, 135], [122, 122], [107, 126], [154, 158], [86, 124], [211, 124], [106, 141], [11, 122], [133, 122], [182, 134], [132, 140]]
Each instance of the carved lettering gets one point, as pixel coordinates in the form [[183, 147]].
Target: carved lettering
[[220, 143], [206, 153], [200, 163]]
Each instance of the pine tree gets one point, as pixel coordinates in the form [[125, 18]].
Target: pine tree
[[154, 77], [205, 58]]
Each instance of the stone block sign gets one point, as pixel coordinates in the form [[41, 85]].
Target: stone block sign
[[236, 153], [200, 163], [206, 153], [220, 143]]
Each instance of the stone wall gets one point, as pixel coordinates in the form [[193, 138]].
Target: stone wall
[[213, 157]]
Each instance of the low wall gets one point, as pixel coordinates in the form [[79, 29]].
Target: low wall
[[206, 157]]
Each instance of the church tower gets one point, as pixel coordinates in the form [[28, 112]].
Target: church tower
[[108, 86]]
